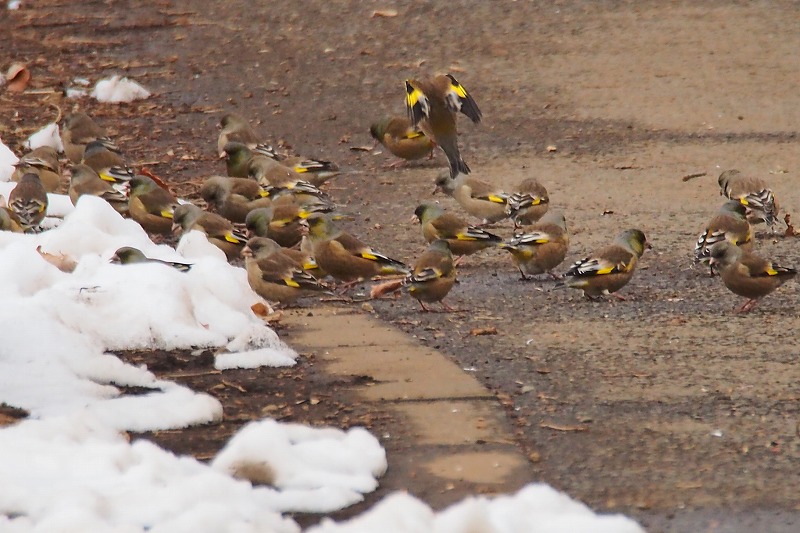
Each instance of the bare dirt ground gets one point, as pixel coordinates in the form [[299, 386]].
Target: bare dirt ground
[[679, 412]]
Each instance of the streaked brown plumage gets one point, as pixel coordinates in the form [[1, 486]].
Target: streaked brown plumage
[[729, 224], [28, 200], [528, 203], [108, 164], [42, 161], [85, 181], [753, 193], [747, 274]]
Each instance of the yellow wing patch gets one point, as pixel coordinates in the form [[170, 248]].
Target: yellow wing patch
[[299, 169], [496, 199], [291, 283], [231, 238], [412, 95], [107, 177], [369, 255], [166, 214]]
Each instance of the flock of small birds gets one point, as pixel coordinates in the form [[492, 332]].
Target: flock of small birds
[[291, 241]]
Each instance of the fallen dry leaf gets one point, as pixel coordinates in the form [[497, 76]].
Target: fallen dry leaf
[[483, 331], [17, 77], [361, 148], [790, 232], [387, 13], [60, 261], [693, 176]]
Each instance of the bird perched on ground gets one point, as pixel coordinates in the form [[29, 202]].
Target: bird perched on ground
[[344, 256], [433, 275], [433, 104], [128, 255], [610, 268], [267, 171], [729, 224], [238, 157], [753, 193], [402, 139], [283, 222], [151, 206], [234, 198], [218, 230], [462, 238], [28, 200], [276, 276], [42, 161], [78, 130], [478, 198], [314, 171], [108, 164], [747, 274], [85, 180], [542, 247], [528, 204], [233, 127]]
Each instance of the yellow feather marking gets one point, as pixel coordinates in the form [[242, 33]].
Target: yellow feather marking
[[166, 214], [743, 201], [299, 169], [310, 265], [231, 238], [459, 89], [607, 270], [107, 177], [412, 95], [414, 135], [279, 223], [462, 237], [304, 214], [291, 283], [370, 256], [262, 193], [771, 271], [496, 199]]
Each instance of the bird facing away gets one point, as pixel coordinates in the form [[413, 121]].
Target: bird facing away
[[432, 105], [345, 257], [747, 274], [276, 276], [151, 206], [77, 130], [85, 181], [218, 230], [542, 247], [529, 203], [729, 224], [478, 198], [753, 193], [128, 255], [28, 200], [42, 161], [462, 238], [402, 139], [610, 268], [433, 275]]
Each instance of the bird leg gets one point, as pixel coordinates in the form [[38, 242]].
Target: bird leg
[[555, 277], [397, 164], [747, 306], [424, 309], [617, 296], [344, 287]]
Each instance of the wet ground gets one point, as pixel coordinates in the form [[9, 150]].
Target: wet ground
[[667, 406]]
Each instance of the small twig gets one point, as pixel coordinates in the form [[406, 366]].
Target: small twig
[[693, 176], [557, 427]]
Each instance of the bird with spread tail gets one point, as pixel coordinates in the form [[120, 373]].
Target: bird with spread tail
[[432, 105]]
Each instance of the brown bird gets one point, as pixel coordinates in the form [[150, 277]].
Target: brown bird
[[151, 205], [42, 161], [433, 275], [478, 198], [433, 104], [284, 223], [345, 257], [274, 275], [402, 139], [85, 180], [78, 130], [108, 164], [234, 198], [753, 193], [233, 127], [528, 204], [462, 238], [9, 221], [747, 274], [542, 247], [729, 224], [218, 230], [609, 268], [28, 200]]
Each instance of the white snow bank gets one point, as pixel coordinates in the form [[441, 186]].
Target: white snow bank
[[47, 136], [7, 161]]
